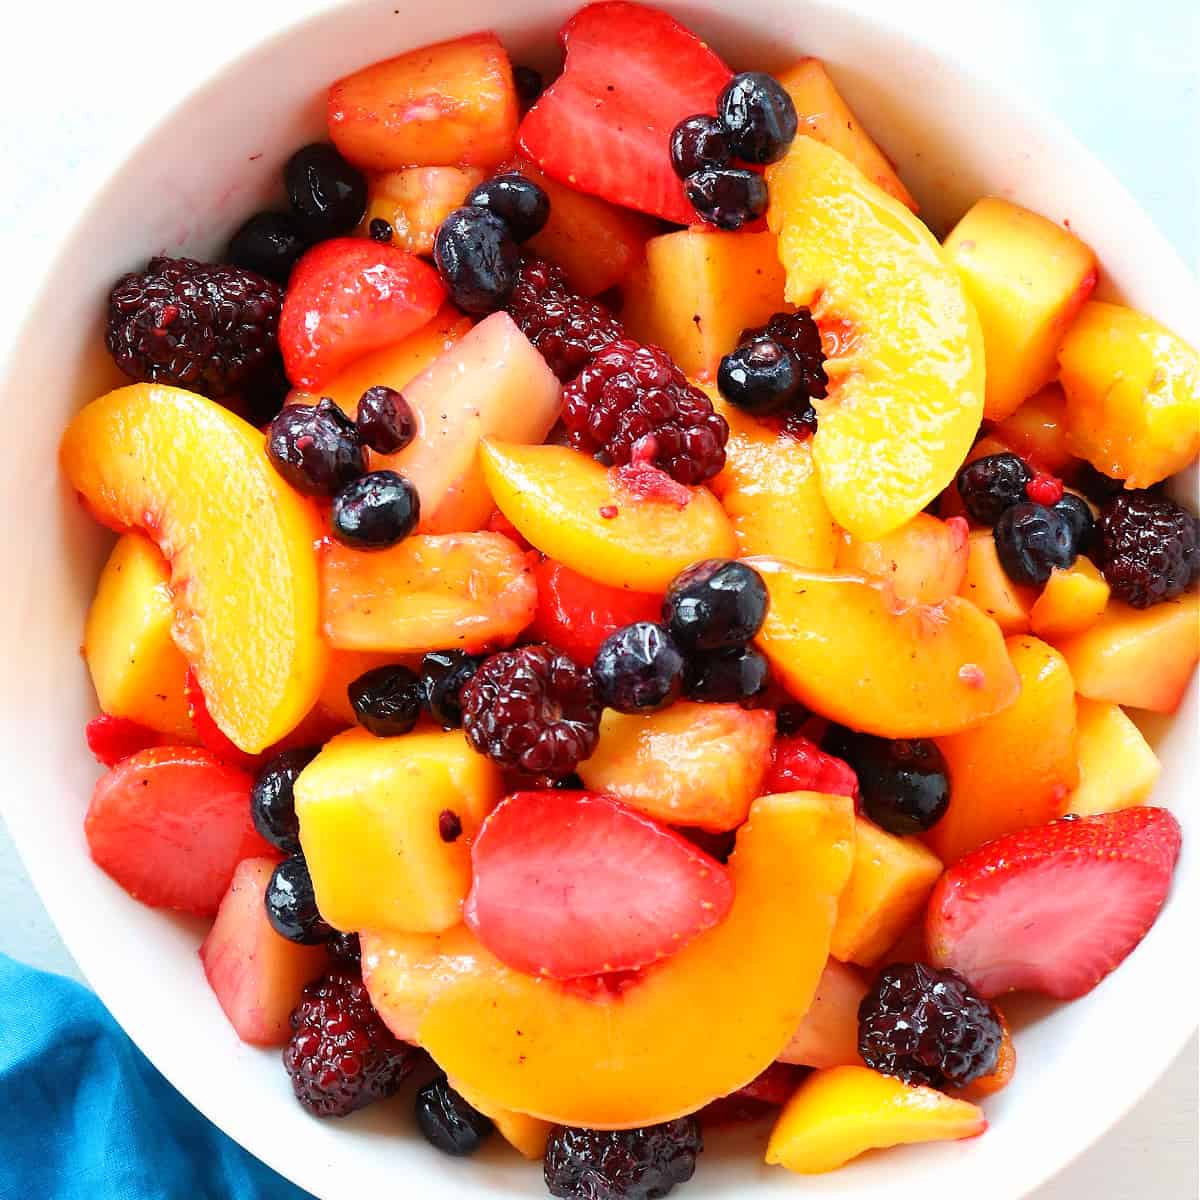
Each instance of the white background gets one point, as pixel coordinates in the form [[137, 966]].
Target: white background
[[78, 80]]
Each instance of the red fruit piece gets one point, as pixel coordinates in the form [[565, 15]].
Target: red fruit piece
[[1053, 908], [632, 73], [766, 1092], [208, 731], [346, 297], [170, 825], [575, 614], [111, 738], [798, 765], [568, 884]]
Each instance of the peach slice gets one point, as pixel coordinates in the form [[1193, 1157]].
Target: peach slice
[[1037, 431], [415, 201], [579, 514], [903, 345], [827, 1036], [239, 540], [525, 1134], [1117, 768], [1133, 394], [842, 645], [691, 764], [530, 1045], [838, 1114], [1016, 768], [923, 561], [989, 588], [1073, 600], [460, 591]]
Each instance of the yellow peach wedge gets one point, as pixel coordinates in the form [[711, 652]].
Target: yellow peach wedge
[[1117, 767], [1037, 431], [1073, 600], [923, 561]]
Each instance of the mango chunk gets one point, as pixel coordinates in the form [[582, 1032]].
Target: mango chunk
[[1117, 768], [1073, 600], [989, 588]]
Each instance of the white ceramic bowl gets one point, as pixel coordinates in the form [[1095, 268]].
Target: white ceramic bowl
[[206, 166]]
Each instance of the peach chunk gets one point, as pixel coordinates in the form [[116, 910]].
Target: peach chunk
[[1037, 431], [460, 591], [838, 1114], [244, 583], [827, 1036], [1073, 600], [415, 201], [698, 289], [1027, 278], [137, 670], [1016, 768], [1117, 768], [1142, 657], [904, 353], [578, 513], [923, 561], [451, 104], [530, 1045], [691, 764], [988, 587], [841, 645], [1133, 394]]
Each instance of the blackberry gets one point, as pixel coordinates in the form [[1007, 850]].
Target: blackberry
[[477, 258], [448, 1122], [444, 674], [375, 511], [327, 194], [268, 244], [638, 668], [567, 329], [698, 142], [517, 201], [532, 709], [384, 420], [904, 784], [345, 948], [291, 904], [989, 486], [1031, 541], [272, 802], [621, 1164], [730, 676], [714, 604], [927, 1026], [1147, 547], [341, 1056], [727, 197], [206, 327], [386, 700], [633, 402], [758, 116], [316, 448], [264, 394]]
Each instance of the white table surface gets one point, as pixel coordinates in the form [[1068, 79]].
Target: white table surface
[[1123, 76]]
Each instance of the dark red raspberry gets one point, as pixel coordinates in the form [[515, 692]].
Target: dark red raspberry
[[567, 329], [927, 1026], [621, 1164], [206, 327], [341, 1056], [532, 709], [633, 402], [1147, 547]]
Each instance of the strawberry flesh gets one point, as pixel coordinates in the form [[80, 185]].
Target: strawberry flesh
[[799, 765], [111, 739]]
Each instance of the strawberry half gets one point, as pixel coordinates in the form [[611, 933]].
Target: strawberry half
[[171, 824], [570, 884], [1056, 907], [632, 73], [111, 739], [798, 765], [348, 296]]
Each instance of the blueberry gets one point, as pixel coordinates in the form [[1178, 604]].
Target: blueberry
[[291, 904], [990, 485], [272, 803], [386, 700], [380, 230], [638, 668], [698, 142], [268, 243], [316, 448], [904, 784], [517, 201], [726, 676], [1032, 540], [569, 783], [760, 378], [528, 83], [726, 197], [477, 257], [263, 395], [328, 195], [448, 1122], [714, 604], [384, 420], [375, 511], [759, 117], [444, 674], [1079, 516]]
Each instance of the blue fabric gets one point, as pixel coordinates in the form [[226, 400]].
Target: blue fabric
[[84, 1116]]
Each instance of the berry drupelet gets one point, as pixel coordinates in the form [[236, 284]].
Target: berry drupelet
[[621, 1164], [518, 202], [384, 420], [316, 448], [478, 258], [291, 904], [698, 142], [715, 604], [448, 1122], [1032, 540], [638, 668], [989, 486], [904, 784], [375, 511], [268, 244], [444, 674], [272, 799], [345, 949], [1147, 547], [386, 700], [758, 116], [327, 194]]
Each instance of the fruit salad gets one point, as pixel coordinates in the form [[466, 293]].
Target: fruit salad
[[597, 578]]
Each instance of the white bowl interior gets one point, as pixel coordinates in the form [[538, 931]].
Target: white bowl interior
[[205, 167]]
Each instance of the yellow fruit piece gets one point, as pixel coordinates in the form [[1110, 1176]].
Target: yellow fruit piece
[[923, 561], [414, 201], [555, 497], [889, 884], [368, 810], [533, 1046], [903, 345], [525, 1134], [989, 588], [1073, 600], [136, 668], [698, 289], [197, 480], [838, 1114], [1027, 278], [1117, 768], [1133, 394], [1037, 431]]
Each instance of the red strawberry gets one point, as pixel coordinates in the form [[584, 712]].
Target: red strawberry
[[207, 730], [798, 765], [1056, 907], [111, 738], [632, 73], [346, 297], [171, 824], [568, 884], [575, 614], [760, 1097]]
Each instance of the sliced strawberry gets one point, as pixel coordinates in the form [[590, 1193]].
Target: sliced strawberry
[[111, 738], [798, 765], [632, 73], [1056, 907], [569, 884], [170, 825], [575, 614], [348, 296]]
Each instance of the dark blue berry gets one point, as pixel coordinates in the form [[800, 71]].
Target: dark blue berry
[[759, 117], [638, 668], [375, 511], [569, 783], [517, 201], [1031, 540], [904, 784], [760, 378], [272, 802], [384, 420], [291, 904], [478, 259], [698, 142], [728, 676], [316, 448], [444, 674], [345, 947], [448, 1122], [988, 486], [380, 230], [727, 197], [449, 825], [268, 243], [528, 83], [715, 603], [1079, 516], [386, 700], [328, 195]]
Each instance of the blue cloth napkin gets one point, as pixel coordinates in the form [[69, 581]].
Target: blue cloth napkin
[[84, 1116]]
